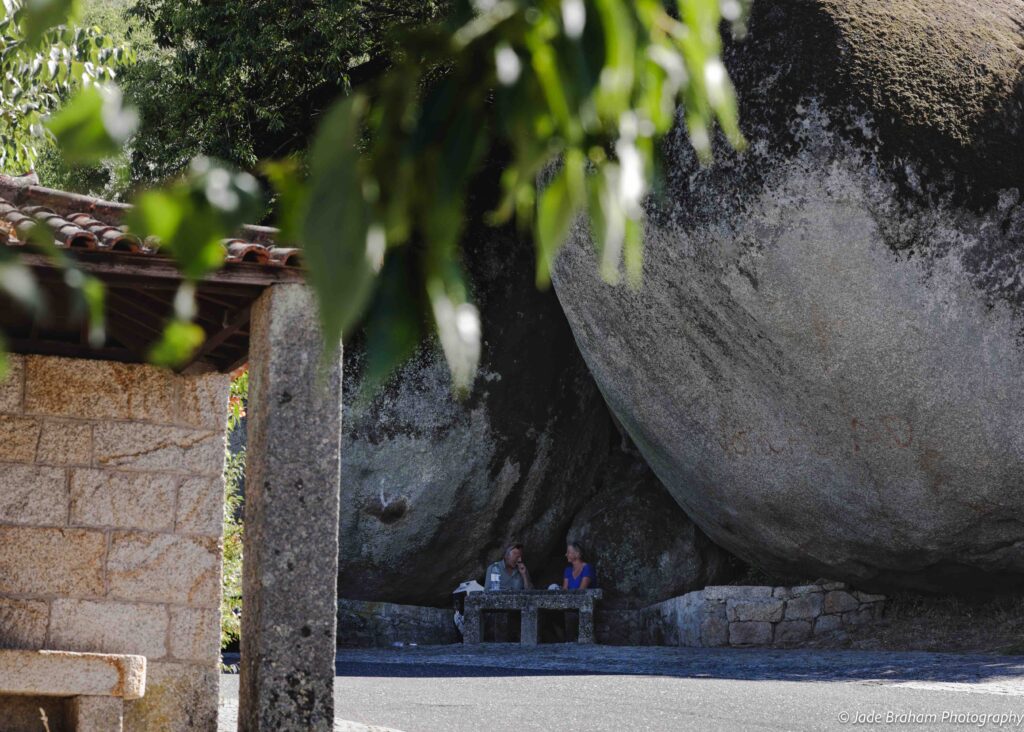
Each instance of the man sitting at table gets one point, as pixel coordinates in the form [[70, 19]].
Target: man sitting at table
[[509, 572]]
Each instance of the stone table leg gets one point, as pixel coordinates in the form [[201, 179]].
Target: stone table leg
[[586, 623], [528, 626], [96, 713], [471, 626], [293, 477]]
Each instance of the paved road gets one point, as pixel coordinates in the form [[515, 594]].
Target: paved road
[[597, 688]]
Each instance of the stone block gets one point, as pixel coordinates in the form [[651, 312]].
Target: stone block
[[137, 446], [123, 500], [35, 495], [179, 698], [65, 443], [204, 401], [109, 627], [201, 506], [750, 634], [51, 561], [828, 586], [866, 597], [859, 616], [12, 386], [782, 592], [23, 623], [18, 438], [768, 610], [67, 387], [804, 590], [195, 634], [714, 630], [736, 592], [164, 568], [804, 607], [380, 624], [96, 713], [792, 631], [827, 624], [64, 673], [839, 602]]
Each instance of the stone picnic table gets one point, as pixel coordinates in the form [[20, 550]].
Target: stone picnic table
[[528, 603]]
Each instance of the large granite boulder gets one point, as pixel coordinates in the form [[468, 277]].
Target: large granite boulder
[[824, 363], [432, 489]]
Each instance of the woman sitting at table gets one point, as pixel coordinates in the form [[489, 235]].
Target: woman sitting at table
[[578, 575]]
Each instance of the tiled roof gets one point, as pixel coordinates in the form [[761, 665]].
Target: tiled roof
[[90, 224], [140, 279]]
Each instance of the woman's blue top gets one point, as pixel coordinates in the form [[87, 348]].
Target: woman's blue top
[[574, 582]]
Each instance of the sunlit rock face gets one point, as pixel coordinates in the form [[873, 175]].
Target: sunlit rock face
[[432, 488], [824, 364]]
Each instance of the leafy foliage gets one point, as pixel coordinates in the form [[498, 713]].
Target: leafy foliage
[[247, 80], [234, 475], [576, 93], [231, 584], [42, 60]]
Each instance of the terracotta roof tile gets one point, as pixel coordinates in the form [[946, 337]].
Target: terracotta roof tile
[[85, 223]]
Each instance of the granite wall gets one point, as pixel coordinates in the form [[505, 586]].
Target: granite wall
[[111, 495], [757, 616], [381, 624]]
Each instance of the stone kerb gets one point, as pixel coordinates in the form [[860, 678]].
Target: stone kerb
[[757, 615], [111, 496]]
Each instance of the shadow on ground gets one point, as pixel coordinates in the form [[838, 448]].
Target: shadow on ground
[[496, 660]]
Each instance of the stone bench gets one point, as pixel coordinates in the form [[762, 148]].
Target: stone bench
[[96, 684], [529, 603]]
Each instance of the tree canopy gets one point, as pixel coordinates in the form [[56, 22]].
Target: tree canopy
[[406, 100], [248, 80]]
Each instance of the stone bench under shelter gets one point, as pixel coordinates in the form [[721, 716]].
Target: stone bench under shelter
[[528, 603], [93, 686]]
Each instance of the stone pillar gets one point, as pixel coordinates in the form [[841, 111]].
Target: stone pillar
[[472, 627], [586, 632], [96, 713], [293, 474], [528, 626]]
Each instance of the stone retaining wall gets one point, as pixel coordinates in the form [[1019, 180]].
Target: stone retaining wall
[[381, 624], [111, 504], [757, 616]]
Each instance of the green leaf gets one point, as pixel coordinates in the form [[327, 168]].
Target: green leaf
[[458, 327], [292, 196], [95, 294], [42, 15], [556, 209], [93, 126], [18, 283], [393, 323], [340, 246], [179, 342], [193, 217]]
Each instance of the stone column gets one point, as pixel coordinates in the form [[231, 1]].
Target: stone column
[[293, 474], [586, 632], [97, 713], [472, 620], [528, 625]]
